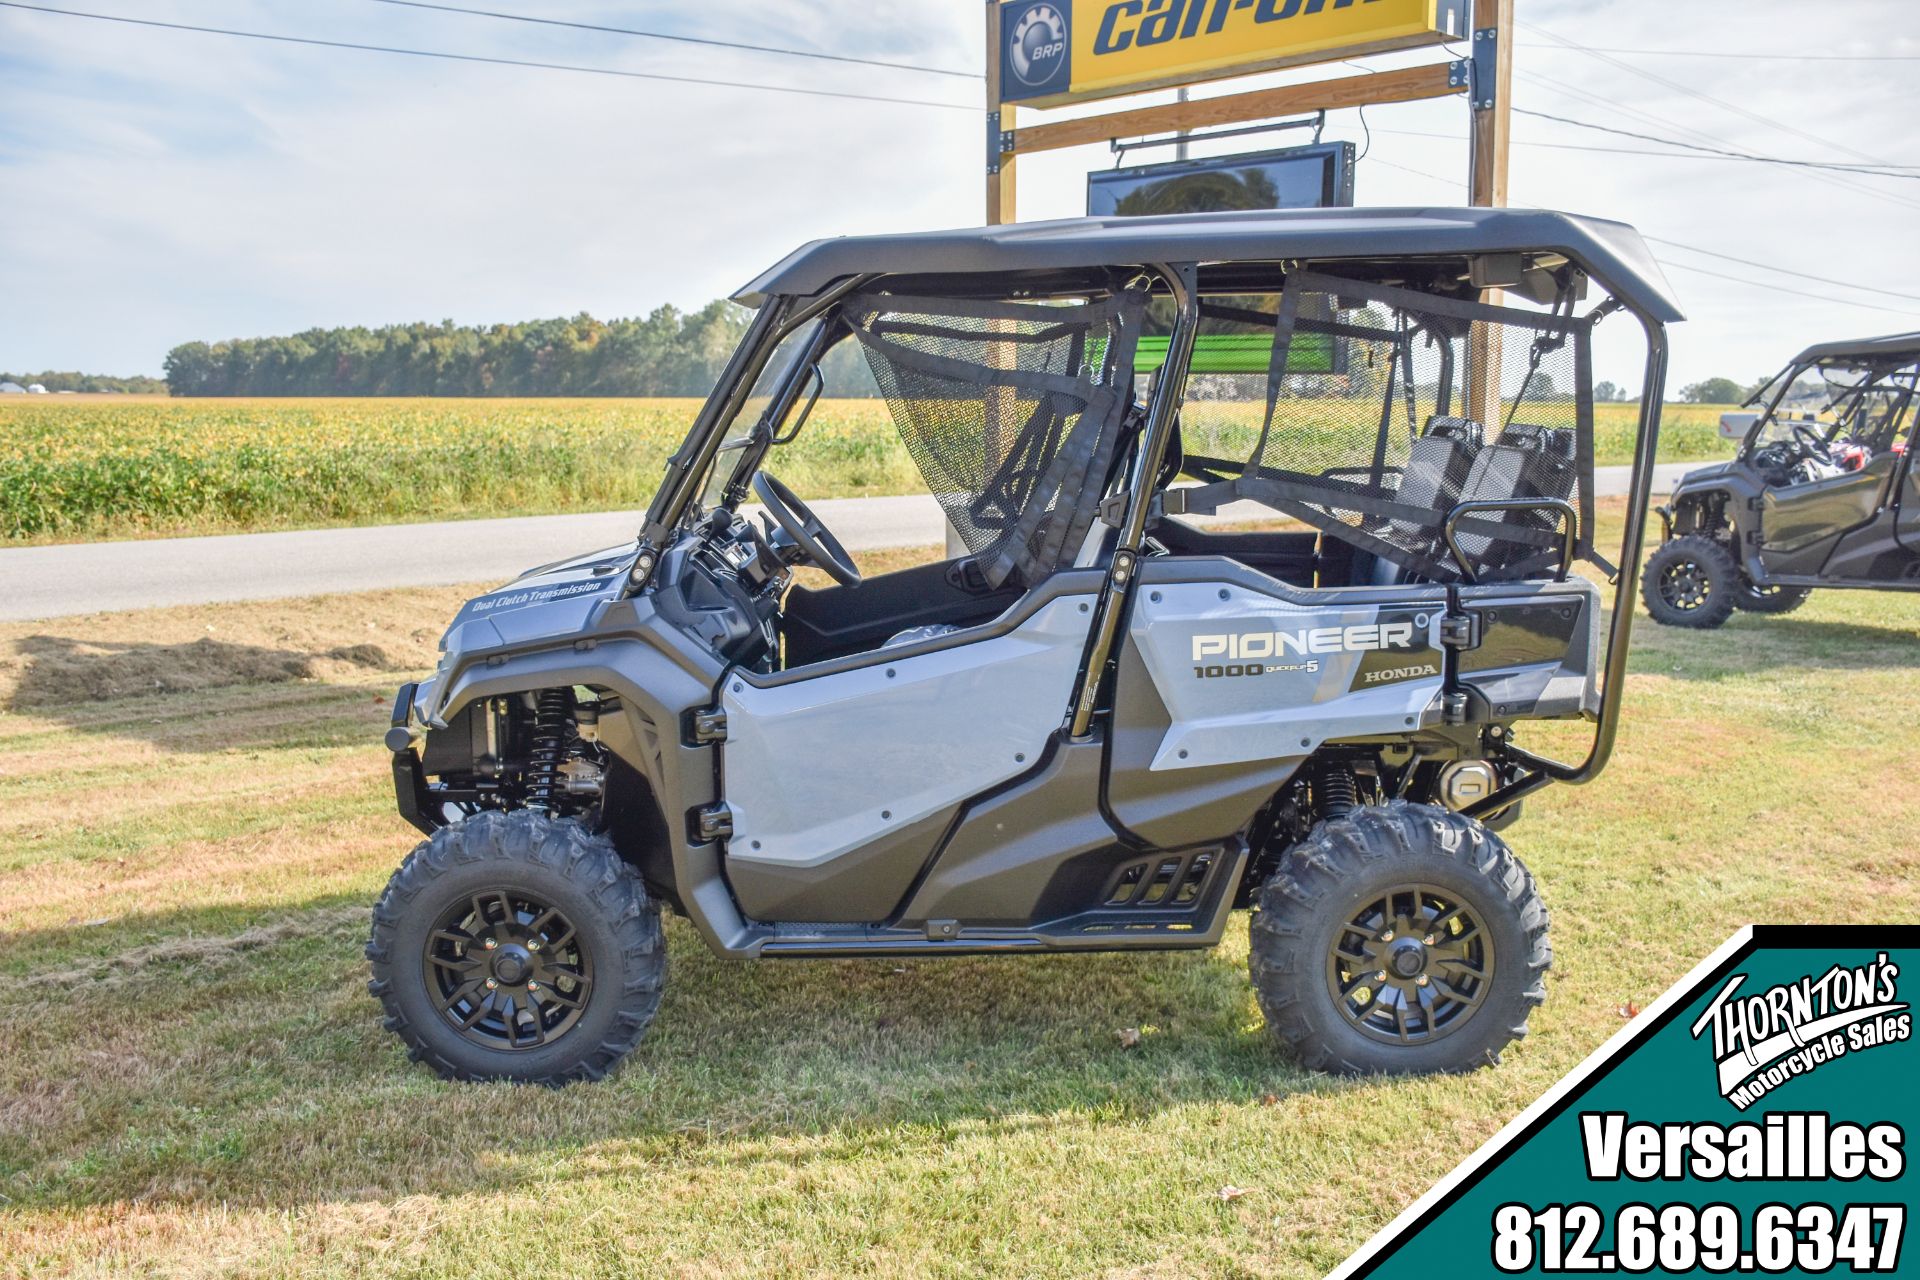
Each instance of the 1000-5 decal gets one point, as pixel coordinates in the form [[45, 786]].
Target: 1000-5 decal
[[1232, 670]]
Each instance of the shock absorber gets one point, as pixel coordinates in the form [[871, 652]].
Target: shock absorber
[[552, 708], [1334, 786]]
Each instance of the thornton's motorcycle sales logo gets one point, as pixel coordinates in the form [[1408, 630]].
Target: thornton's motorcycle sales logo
[[1037, 46], [1763, 1039]]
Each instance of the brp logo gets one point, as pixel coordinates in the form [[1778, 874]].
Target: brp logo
[[1037, 46]]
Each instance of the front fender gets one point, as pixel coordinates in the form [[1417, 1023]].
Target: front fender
[[627, 651]]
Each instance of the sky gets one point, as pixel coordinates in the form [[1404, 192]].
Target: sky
[[162, 186]]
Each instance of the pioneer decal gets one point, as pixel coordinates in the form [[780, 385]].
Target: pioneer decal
[[1237, 646]]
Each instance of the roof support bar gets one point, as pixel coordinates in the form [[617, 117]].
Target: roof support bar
[[1111, 611]]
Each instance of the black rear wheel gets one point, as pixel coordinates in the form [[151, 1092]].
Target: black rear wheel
[[1751, 597], [1399, 938], [512, 946], [1691, 582]]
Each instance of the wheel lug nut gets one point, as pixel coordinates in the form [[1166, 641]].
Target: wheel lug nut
[[489, 943], [1387, 936], [1422, 979], [533, 944], [491, 984], [1427, 941], [1380, 976], [533, 986]]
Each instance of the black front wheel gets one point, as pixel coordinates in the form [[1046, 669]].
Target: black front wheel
[[512, 946], [1691, 582], [1399, 939]]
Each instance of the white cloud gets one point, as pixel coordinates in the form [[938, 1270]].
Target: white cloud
[[159, 186]]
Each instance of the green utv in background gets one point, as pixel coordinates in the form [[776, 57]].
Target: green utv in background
[[1103, 727]]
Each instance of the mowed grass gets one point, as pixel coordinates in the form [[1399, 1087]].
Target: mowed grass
[[79, 468], [195, 817]]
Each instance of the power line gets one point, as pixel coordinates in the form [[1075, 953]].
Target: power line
[[1681, 266], [1677, 244], [1778, 288], [1718, 53], [498, 62], [1831, 179], [1731, 155], [1690, 91], [1785, 271], [1613, 104], [662, 35], [1419, 173], [1605, 151], [1718, 275]]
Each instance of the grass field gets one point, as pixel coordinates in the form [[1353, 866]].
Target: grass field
[[195, 816], [82, 468]]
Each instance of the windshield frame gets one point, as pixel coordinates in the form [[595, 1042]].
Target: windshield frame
[[782, 398], [687, 467], [1843, 403]]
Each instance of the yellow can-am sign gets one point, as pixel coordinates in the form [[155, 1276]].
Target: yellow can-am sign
[[1056, 51]]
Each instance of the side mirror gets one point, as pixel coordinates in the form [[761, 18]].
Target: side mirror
[[1734, 426]]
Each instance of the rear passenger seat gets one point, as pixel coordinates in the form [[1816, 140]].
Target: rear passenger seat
[[1530, 461], [1438, 465], [1451, 463]]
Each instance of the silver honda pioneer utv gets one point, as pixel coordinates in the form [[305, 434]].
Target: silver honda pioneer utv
[[1108, 725]]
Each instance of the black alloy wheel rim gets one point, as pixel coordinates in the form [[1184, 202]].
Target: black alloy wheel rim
[[1685, 585], [1411, 966], [507, 971]]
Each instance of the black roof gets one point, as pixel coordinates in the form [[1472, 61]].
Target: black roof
[[1892, 344], [1612, 252]]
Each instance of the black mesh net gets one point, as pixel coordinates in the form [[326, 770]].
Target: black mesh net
[[1012, 411], [1381, 410]]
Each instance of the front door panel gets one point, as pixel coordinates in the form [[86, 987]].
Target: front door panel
[[1802, 524], [818, 768]]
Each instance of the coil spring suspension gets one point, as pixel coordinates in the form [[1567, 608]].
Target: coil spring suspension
[[1334, 787], [549, 750]]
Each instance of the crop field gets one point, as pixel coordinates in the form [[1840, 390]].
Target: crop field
[[195, 816], [84, 468]]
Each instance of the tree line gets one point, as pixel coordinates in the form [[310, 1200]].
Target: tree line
[[666, 353], [72, 380]]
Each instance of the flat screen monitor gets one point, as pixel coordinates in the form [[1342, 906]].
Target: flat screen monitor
[[1315, 177]]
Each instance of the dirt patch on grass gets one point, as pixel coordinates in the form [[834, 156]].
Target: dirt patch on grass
[[332, 639], [126, 966], [56, 671], [182, 650]]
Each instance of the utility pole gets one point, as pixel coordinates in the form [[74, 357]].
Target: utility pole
[[1492, 115]]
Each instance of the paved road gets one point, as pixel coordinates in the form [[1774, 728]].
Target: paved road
[[96, 577]]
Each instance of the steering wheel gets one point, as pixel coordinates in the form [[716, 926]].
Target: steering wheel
[[1814, 443], [821, 548]]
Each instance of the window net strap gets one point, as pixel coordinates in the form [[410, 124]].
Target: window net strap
[[1330, 451], [1011, 411]]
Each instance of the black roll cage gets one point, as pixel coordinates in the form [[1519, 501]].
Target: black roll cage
[[1848, 400], [782, 315]]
